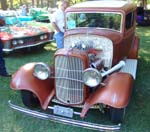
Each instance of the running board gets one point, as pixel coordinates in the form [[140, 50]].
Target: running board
[[63, 120]]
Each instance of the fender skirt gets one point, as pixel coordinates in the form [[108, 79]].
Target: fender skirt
[[116, 93], [24, 79]]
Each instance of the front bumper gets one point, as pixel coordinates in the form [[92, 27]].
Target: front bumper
[[63, 120], [26, 46]]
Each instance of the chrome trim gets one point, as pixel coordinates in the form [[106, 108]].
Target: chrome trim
[[114, 68], [47, 69], [71, 79], [63, 120], [26, 46], [69, 91]]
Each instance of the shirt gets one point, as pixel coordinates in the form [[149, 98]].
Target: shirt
[[58, 18]]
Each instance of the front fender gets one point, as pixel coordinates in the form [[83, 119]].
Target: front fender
[[24, 79], [116, 93]]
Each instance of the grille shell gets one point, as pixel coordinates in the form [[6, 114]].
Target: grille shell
[[68, 78]]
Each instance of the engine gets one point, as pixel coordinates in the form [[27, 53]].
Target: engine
[[97, 47]]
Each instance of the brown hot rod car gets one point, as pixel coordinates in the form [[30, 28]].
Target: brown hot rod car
[[96, 67]]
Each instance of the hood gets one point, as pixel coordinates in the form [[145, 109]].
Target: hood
[[114, 36], [18, 31]]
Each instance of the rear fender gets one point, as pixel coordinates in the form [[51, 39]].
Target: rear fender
[[24, 79], [116, 93], [133, 54]]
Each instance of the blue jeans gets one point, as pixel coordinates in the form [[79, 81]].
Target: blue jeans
[[2, 62], [59, 38]]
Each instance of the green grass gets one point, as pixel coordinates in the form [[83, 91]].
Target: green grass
[[137, 114]]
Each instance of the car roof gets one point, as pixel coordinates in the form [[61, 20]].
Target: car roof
[[104, 4]]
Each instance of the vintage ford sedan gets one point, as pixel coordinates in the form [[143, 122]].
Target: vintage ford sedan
[[96, 68], [17, 35]]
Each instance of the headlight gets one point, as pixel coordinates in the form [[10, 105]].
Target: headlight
[[92, 77], [145, 18], [83, 46], [45, 36], [41, 37], [20, 41], [41, 71], [14, 42]]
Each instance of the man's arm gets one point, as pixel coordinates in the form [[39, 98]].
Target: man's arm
[[56, 27]]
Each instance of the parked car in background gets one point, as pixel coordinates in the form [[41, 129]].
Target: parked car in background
[[96, 68], [17, 35], [143, 16], [40, 14], [25, 18], [2, 21]]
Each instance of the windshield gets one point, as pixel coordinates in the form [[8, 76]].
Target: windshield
[[106, 20]]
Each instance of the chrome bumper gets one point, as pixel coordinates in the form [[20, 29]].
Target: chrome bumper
[[26, 46], [63, 120]]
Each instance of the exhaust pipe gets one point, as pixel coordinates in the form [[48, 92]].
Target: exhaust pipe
[[115, 68]]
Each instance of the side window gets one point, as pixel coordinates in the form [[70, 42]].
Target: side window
[[129, 20]]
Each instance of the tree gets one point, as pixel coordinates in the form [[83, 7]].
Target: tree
[[11, 4], [48, 3], [33, 3], [4, 4], [37, 3], [21, 2]]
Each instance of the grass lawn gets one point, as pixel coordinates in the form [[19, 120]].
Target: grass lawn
[[137, 117]]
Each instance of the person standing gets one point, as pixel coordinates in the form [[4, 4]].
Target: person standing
[[58, 18], [24, 10], [3, 71]]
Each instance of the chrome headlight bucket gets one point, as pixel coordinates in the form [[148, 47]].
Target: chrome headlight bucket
[[14, 42], [41, 71], [41, 37], [92, 77], [20, 41], [45, 36]]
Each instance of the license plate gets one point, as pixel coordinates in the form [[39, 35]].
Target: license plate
[[63, 111]]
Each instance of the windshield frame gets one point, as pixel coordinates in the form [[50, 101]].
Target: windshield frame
[[80, 12]]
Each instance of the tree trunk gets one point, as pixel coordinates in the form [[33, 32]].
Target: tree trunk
[[41, 3], [4, 4], [38, 3], [33, 3], [20, 2], [11, 4], [48, 4]]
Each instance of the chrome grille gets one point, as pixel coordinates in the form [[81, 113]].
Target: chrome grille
[[68, 73]]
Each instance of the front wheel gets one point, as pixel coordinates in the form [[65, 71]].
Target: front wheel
[[117, 115], [29, 99]]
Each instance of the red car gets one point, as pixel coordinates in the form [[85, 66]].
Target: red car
[[17, 35], [97, 67]]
